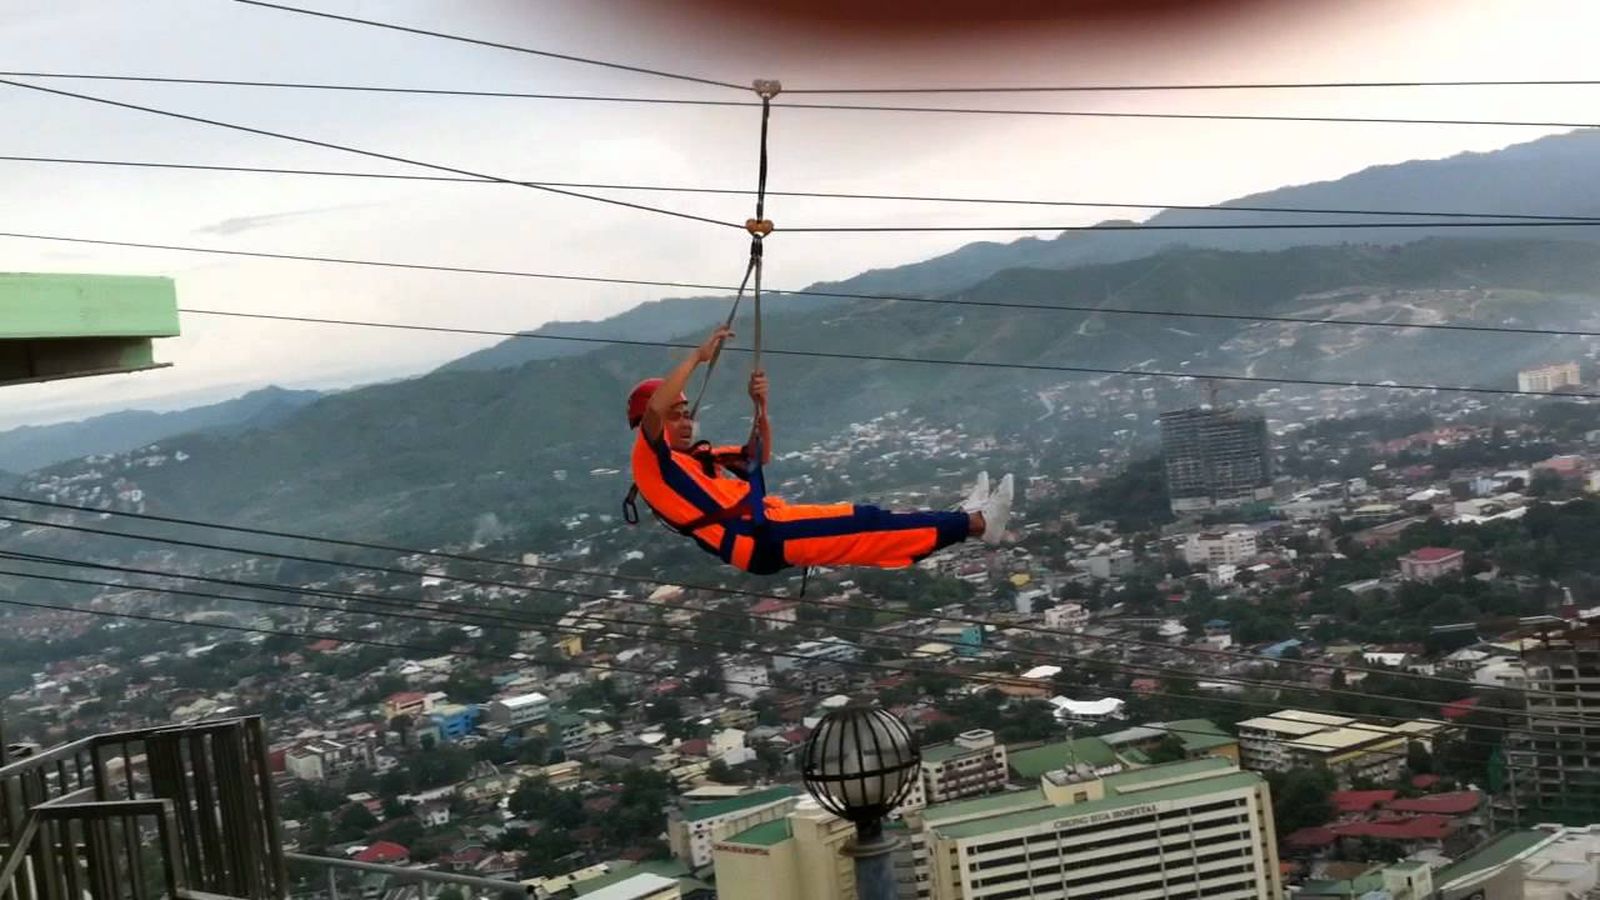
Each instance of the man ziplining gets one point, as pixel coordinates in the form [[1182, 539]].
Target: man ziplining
[[705, 492]]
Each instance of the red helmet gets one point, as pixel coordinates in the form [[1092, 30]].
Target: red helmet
[[639, 398]]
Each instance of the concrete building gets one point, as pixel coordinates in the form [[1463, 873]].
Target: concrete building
[[1067, 617], [644, 886], [1551, 767], [747, 681], [973, 764], [829, 649], [407, 703], [521, 710], [1549, 862], [693, 831], [1116, 564], [1215, 457], [1186, 830], [1295, 738], [1217, 548], [1554, 377], [454, 721], [1429, 563], [322, 759], [798, 857]]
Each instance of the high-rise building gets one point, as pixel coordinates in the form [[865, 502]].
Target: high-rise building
[[1215, 457], [692, 831], [798, 857], [1552, 768], [1553, 377], [973, 764], [1194, 829], [1351, 749]]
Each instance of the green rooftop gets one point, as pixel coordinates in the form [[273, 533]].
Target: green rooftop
[[1027, 818], [1030, 765], [67, 326], [666, 868], [942, 752], [1502, 849], [1189, 732], [1132, 778], [743, 801], [764, 835], [990, 805]]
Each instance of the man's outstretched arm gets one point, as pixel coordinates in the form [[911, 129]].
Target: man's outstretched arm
[[661, 402]]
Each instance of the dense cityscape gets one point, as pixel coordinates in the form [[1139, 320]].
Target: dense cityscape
[[1322, 627]]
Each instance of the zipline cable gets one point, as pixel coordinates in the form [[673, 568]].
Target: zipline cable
[[1140, 667], [958, 363], [494, 618], [970, 621], [1206, 86], [993, 680], [373, 154], [691, 285], [842, 107], [1227, 207]]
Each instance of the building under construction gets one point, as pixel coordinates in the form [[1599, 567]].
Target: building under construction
[[1215, 457]]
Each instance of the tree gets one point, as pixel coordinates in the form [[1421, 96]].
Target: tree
[[1169, 749], [722, 773], [1302, 798], [450, 893]]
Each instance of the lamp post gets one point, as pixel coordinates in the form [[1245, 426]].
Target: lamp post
[[859, 764]]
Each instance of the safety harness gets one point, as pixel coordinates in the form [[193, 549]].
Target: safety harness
[[753, 505]]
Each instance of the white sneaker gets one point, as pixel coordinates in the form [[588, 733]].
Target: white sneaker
[[997, 511], [979, 496]]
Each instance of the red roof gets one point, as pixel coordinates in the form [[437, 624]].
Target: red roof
[[1433, 554], [1458, 708], [695, 747], [1421, 828], [1360, 801], [324, 645], [769, 606], [384, 852], [1457, 803], [1311, 838], [1423, 782], [405, 698]]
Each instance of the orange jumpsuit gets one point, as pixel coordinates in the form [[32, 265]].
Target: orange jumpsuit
[[686, 489]]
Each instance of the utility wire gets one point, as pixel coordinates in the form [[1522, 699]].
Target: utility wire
[[372, 154], [436, 651], [1211, 86], [970, 621], [659, 73], [1146, 669], [699, 286], [960, 363], [992, 680], [822, 195], [1210, 226], [846, 107], [506, 618]]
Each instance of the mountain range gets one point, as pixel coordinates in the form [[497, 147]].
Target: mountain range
[[35, 446], [532, 431]]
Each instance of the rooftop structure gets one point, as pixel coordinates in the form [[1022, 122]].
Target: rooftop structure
[[69, 326]]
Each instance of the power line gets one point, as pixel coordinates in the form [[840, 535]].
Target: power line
[[691, 285], [616, 576], [960, 363], [491, 614], [845, 107], [1210, 226], [568, 57], [440, 651], [373, 154], [814, 354], [1211, 86], [974, 678], [1139, 667], [822, 195]]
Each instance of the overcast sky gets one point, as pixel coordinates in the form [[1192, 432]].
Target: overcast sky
[[509, 227]]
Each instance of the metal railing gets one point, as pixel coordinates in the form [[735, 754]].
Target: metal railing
[[176, 811]]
